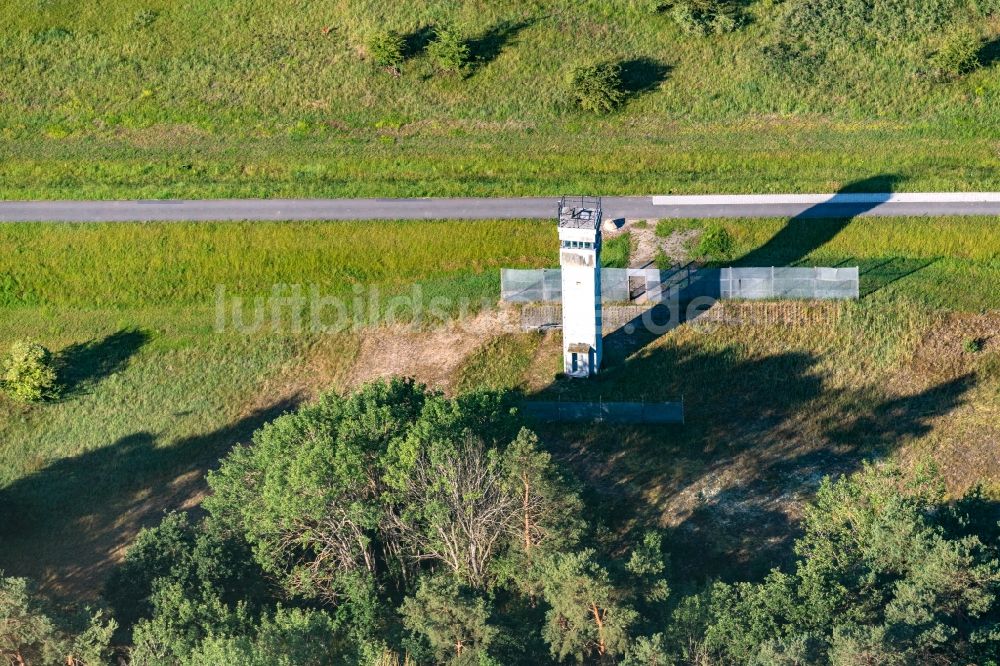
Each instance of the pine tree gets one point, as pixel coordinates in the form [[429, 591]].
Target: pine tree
[[587, 617], [453, 620]]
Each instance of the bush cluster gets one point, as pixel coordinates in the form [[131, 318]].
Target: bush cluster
[[29, 373], [958, 55], [987, 7], [449, 51], [703, 17], [810, 32], [386, 49], [871, 21], [596, 87]]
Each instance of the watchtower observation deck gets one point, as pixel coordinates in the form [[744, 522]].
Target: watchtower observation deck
[[580, 212]]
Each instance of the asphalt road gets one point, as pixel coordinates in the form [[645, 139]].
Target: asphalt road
[[840, 205]]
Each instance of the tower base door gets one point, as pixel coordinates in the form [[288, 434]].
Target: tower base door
[[579, 363]]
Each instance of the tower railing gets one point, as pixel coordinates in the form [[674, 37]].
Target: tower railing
[[579, 211]]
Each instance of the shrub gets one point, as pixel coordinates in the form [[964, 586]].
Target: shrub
[[386, 49], [987, 7], [701, 17], [958, 55], [811, 32], [143, 18], [794, 59], [972, 345], [52, 35], [597, 87], [716, 243], [648, 6], [449, 51], [28, 372], [851, 21]]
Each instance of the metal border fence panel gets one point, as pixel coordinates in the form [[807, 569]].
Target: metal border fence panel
[[790, 283], [539, 285], [614, 284], [747, 283]]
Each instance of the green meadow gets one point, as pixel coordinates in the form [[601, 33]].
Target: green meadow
[[147, 98], [136, 265]]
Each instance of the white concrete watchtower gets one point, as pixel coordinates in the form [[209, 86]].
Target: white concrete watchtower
[[580, 259]]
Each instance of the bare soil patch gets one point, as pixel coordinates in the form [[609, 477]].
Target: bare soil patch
[[432, 357], [647, 246]]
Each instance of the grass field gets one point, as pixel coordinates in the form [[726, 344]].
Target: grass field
[[942, 263], [146, 98], [154, 393], [140, 265]]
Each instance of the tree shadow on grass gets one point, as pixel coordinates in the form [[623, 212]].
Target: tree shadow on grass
[[486, 47], [86, 363], [415, 42], [641, 75], [64, 524], [900, 419], [760, 433], [989, 53]]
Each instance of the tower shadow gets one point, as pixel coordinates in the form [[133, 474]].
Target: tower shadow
[[694, 290], [818, 225]]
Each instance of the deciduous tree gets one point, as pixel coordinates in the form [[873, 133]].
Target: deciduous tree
[[32, 633]]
